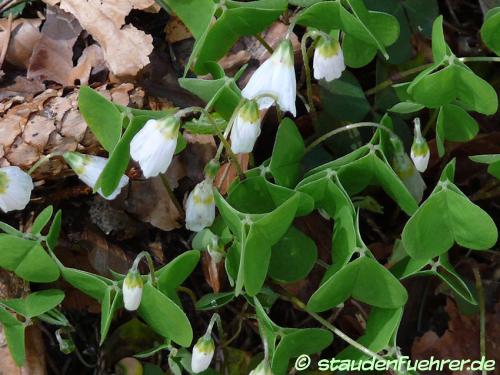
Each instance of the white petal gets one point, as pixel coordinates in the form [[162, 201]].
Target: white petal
[[131, 297], [152, 149], [421, 162], [328, 68], [16, 193], [200, 207], [244, 135], [259, 84], [200, 361]]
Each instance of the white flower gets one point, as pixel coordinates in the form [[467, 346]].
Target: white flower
[[203, 352], [89, 168], [328, 62], [132, 290], [153, 147], [15, 188], [276, 76], [262, 369], [215, 249], [200, 206], [246, 128], [420, 153]]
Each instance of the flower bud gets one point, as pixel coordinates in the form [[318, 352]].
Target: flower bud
[[215, 249], [246, 128], [132, 290], [200, 206], [66, 343], [420, 152], [212, 168], [328, 62], [153, 147], [15, 188], [262, 369], [203, 352]]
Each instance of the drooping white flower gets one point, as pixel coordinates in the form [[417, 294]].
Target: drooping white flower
[[89, 168], [153, 147], [420, 153], [132, 290], [246, 128], [328, 62], [215, 249], [276, 76], [15, 188], [203, 352], [200, 206], [262, 369]]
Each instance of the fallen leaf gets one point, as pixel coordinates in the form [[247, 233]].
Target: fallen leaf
[[149, 201], [24, 36], [227, 173], [91, 59], [175, 30], [52, 58], [125, 48]]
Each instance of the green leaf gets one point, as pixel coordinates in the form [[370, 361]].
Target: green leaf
[[324, 15], [171, 276], [454, 82], [439, 46], [90, 284], [118, 159], [297, 342], [406, 107], [41, 220], [493, 162], [195, 14], [213, 301], [15, 341], [112, 301], [54, 231], [35, 303], [102, 117], [287, 154], [164, 316], [370, 170], [380, 326], [454, 124], [263, 234], [356, 52], [293, 257], [444, 218], [239, 19], [365, 280], [223, 88], [344, 98], [27, 259], [489, 30]]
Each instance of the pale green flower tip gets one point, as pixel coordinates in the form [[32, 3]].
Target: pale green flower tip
[[205, 345], [328, 47], [249, 112], [133, 279], [285, 51]]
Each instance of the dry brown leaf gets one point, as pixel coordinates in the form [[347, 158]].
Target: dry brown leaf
[[461, 339], [125, 49], [227, 173], [175, 30], [91, 59], [213, 272], [24, 36], [149, 201], [21, 87], [52, 58]]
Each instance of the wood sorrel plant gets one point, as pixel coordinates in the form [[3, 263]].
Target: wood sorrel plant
[[254, 231]]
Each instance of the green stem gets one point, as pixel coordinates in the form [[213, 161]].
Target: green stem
[[399, 76], [135, 265], [214, 319], [334, 329], [264, 43], [307, 71], [479, 59], [482, 313], [357, 125], [43, 160]]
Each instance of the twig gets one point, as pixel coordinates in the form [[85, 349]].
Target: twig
[[264, 43]]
